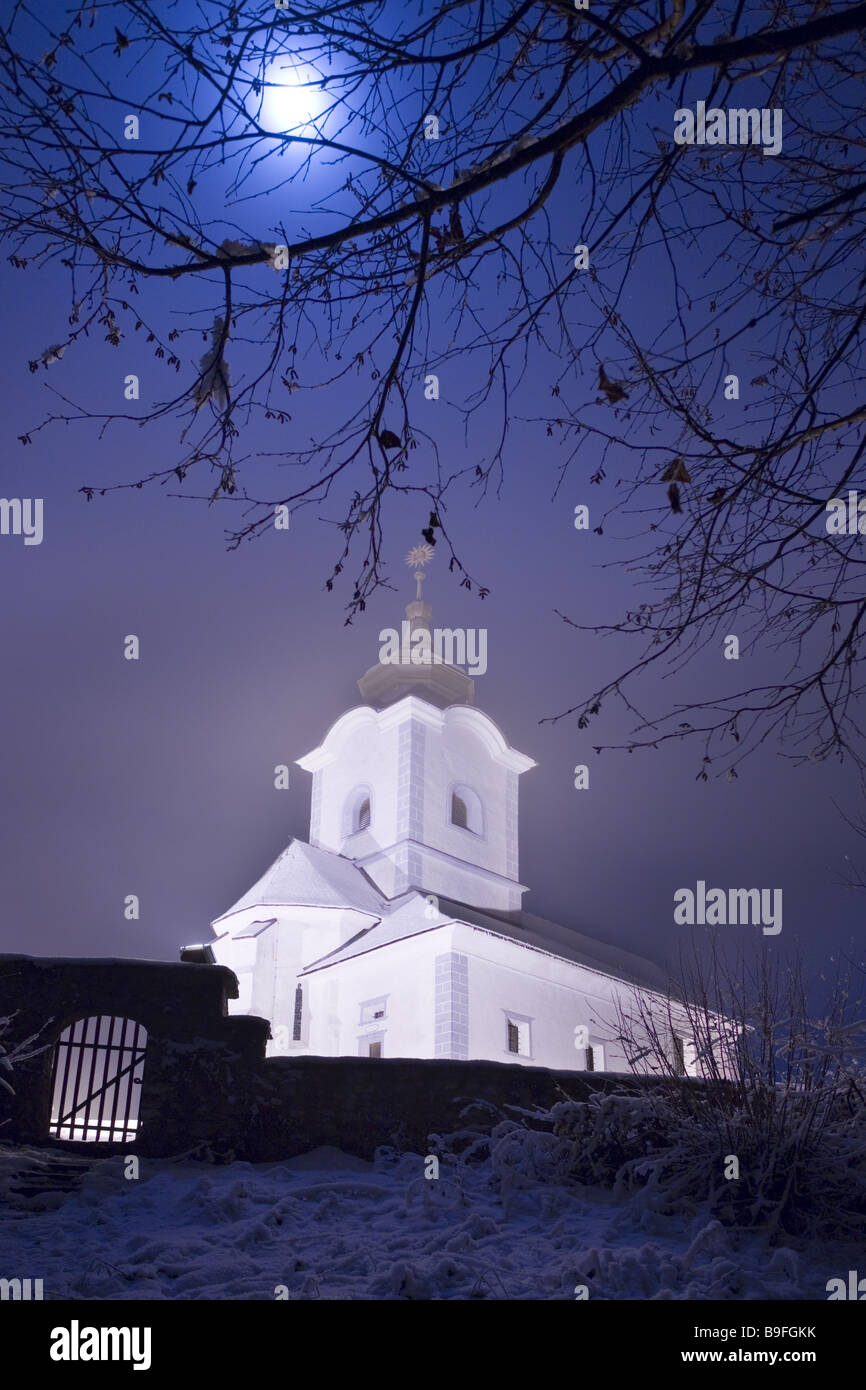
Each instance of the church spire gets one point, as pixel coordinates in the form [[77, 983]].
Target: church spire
[[430, 678], [418, 612], [418, 557]]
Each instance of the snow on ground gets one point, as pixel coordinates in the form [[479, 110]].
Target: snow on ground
[[327, 1225]]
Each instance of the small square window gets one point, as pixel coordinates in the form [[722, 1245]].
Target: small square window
[[374, 1049]]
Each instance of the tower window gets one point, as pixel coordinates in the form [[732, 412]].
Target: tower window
[[374, 1049], [679, 1056], [299, 1010], [357, 811], [466, 810]]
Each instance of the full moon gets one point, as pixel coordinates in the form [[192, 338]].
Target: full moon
[[292, 97]]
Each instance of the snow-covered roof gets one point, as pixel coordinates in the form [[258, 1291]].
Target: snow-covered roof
[[408, 917], [572, 945], [404, 917], [304, 876]]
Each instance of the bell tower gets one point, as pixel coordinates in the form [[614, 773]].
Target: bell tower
[[416, 785]]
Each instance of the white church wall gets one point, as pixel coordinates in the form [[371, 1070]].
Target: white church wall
[[546, 997], [321, 930], [451, 992], [464, 884], [403, 975], [455, 756], [265, 973], [244, 1002], [268, 965], [365, 756], [239, 956]]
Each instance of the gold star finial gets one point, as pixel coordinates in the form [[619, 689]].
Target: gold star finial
[[418, 557]]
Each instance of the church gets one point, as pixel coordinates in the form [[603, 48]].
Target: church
[[397, 929]]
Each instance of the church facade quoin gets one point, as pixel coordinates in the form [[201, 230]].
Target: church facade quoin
[[397, 929]]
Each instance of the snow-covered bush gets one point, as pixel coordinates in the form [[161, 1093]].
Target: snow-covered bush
[[773, 1137]]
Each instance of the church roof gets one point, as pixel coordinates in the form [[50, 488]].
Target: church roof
[[407, 918], [563, 941], [304, 876]]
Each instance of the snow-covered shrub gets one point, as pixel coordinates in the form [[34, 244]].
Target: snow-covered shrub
[[794, 1177], [773, 1137]]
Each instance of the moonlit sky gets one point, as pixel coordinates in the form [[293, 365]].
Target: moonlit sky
[[156, 777]]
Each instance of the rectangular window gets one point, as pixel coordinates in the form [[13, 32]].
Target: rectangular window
[[679, 1056], [590, 1059], [372, 1010], [299, 1009], [517, 1035], [374, 1049]]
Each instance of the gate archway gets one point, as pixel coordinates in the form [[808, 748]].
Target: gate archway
[[96, 1080]]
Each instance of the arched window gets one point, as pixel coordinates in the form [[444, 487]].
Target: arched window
[[357, 811], [96, 1080], [466, 810]]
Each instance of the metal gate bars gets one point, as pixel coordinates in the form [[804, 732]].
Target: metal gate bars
[[96, 1080]]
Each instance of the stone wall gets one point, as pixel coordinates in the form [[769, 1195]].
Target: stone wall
[[208, 1089], [183, 1007]]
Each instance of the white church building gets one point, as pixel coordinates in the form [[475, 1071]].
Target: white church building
[[398, 929]]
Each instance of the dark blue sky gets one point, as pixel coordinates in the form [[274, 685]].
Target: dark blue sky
[[156, 777]]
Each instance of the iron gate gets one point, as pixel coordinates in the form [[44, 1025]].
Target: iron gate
[[96, 1080]]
